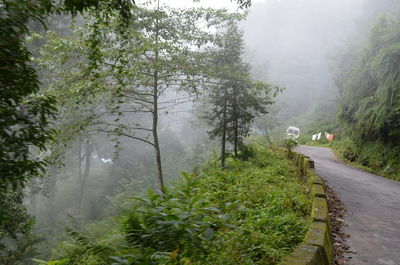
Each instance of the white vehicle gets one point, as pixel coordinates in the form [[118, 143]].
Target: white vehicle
[[293, 132]]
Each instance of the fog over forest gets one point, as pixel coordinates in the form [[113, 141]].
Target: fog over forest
[[294, 43], [290, 43], [127, 123]]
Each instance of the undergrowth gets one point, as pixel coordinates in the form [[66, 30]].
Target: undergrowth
[[268, 208], [255, 211], [374, 157]]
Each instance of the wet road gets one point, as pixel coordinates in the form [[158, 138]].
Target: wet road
[[373, 208]]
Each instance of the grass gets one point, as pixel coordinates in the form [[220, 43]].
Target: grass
[[373, 157], [251, 212], [269, 207]]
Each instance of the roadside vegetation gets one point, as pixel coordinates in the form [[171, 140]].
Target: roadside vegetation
[[366, 73], [108, 99], [373, 157], [255, 211], [102, 100], [368, 77]]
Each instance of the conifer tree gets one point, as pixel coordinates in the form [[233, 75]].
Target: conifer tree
[[233, 99]]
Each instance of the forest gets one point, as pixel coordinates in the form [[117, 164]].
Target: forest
[[153, 132]]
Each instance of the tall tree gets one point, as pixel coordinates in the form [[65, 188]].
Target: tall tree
[[167, 67], [234, 100], [145, 71], [24, 114]]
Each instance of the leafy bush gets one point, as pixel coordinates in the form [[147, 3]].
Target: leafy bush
[[289, 143], [179, 224], [251, 212], [246, 152]]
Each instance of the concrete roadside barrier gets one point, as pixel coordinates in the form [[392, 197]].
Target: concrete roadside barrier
[[316, 248]]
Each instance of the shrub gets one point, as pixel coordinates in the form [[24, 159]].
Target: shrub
[[251, 212], [179, 224]]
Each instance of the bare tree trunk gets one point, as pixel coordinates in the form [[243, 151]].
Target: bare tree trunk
[[155, 114], [80, 176], [236, 136], [33, 191], [83, 178], [235, 118], [51, 192], [155, 133], [223, 140]]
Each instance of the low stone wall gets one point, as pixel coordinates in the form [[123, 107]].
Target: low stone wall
[[316, 248]]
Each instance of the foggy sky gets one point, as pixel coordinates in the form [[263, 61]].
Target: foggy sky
[[292, 40], [228, 4]]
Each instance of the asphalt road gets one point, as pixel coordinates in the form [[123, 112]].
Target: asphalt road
[[373, 208]]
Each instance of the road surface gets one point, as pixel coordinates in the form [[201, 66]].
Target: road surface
[[373, 208]]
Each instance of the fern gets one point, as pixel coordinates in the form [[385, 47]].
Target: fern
[[370, 88], [101, 251]]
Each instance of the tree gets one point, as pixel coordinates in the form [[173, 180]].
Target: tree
[[249, 100], [23, 122], [165, 59], [16, 239], [151, 67], [234, 100], [24, 117], [25, 113]]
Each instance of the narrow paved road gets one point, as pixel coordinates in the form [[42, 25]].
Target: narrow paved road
[[373, 208]]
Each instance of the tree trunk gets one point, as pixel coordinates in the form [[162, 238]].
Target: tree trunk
[[223, 140], [80, 177], [236, 136], [155, 112], [235, 120], [83, 178], [155, 133], [33, 190], [51, 192]]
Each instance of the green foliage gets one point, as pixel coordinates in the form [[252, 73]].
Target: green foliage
[[289, 143], [251, 212], [372, 156], [368, 77], [247, 152], [179, 223], [233, 99], [95, 245], [16, 240], [266, 205], [55, 262], [369, 83], [24, 112], [23, 122]]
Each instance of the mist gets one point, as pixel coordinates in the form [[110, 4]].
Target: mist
[[130, 103], [290, 44]]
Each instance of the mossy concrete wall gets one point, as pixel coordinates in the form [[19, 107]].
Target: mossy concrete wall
[[316, 248]]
